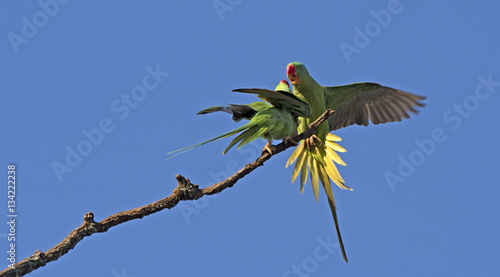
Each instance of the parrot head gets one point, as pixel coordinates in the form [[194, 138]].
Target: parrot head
[[283, 86], [296, 72]]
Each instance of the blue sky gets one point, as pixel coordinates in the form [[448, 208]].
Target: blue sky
[[132, 76]]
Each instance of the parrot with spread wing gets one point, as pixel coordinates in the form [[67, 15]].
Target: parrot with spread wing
[[356, 103], [277, 121]]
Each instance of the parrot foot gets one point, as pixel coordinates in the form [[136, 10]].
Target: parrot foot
[[311, 141], [269, 148], [290, 140]]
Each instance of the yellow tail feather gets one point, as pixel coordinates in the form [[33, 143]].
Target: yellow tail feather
[[323, 176], [303, 174], [300, 162], [335, 147], [332, 137], [334, 174], [298, 150], [334, 156], [319, 159], [313, 167]]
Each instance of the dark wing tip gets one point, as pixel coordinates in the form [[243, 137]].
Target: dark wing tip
[[211, 110]]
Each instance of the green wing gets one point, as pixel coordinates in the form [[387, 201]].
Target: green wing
[[259, 125], [282, 100], [257, 106], [360, 103]]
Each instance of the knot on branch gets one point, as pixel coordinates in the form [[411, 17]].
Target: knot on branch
[[89, 225], [88, 218], [38, 255], [187, 190], [37, 258]]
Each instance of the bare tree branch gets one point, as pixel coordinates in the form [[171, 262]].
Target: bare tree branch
[[185, 190]]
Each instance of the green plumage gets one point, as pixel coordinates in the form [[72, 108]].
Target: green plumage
[[357, 103], [276, 121]]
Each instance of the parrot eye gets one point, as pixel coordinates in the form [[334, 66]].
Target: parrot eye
[[301, 67]]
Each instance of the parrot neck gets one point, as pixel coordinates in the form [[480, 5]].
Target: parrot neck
[[313, 93]]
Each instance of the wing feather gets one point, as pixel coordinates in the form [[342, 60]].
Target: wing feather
[[360, 103], [282, 100]]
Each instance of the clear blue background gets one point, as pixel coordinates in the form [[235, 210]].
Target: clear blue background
[[443, 220]]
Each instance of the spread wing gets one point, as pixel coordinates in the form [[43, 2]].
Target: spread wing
[[360, 103], [282, 100]]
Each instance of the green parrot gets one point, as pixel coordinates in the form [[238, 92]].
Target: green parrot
[[356, 103], [277, 121]]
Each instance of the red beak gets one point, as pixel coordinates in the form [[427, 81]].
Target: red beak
[[291, 71]]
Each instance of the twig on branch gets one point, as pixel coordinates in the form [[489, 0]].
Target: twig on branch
[[185, 190]]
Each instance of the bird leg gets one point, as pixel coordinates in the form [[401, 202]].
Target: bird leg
[[311, 141], [269, 147]]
